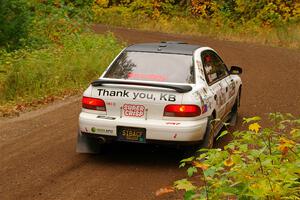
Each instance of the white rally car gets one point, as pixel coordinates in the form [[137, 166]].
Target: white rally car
[[154, 92]]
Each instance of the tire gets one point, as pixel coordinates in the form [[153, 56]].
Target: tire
[[234, 110], [237, 103]]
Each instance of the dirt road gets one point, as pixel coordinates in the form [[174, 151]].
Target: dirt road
[[37, 150]]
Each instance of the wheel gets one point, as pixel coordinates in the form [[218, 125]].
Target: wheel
[[208, 140]]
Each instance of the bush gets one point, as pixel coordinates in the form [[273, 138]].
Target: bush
[[55, 19], [15, 20], [263, 12], [53, 53], [273, 22], [148, 8], [259, 163], [36, 23], [31, 74]]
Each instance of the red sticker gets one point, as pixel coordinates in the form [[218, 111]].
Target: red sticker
[[111, 103], [154, 77], [131, 110], [172, 123]]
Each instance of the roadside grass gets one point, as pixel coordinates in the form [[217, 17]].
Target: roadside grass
[[33, 76], [281, 35]]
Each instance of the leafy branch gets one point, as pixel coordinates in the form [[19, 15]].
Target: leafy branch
[[259, 163]]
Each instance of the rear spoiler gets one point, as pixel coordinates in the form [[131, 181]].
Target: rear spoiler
[[178, 88]]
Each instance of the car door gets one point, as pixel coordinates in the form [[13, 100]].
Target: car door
[[227, 83], [216, 74]]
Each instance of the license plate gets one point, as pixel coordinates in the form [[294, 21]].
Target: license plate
[[131, 134]]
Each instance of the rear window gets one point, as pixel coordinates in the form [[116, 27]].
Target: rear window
[[159, 67]]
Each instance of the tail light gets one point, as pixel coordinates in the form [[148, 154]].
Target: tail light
[[174, 110], [93, 104]]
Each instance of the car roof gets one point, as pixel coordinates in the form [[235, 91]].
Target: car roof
[[172, 47]]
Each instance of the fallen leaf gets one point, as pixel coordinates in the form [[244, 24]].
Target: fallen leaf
[[163, 191]]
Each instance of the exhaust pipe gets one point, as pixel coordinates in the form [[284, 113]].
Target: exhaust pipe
[[101, 140]]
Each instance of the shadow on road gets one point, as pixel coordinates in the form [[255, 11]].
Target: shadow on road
[[140, 154]]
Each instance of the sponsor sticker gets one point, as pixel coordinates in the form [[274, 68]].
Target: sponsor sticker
[[101, 130], [204, 108], [131, 110]]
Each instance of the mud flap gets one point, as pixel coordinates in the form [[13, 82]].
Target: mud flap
[[233, 119], [87, 144]]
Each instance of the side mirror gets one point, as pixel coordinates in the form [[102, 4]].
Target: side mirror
[[235, 70]]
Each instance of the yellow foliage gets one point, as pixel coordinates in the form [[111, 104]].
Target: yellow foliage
[[294, 131], [228, 162], [254, 127], [203, 8], [102, 3], [248, 177], [200, 165], [286, 141], [285, 145], [254, 185]]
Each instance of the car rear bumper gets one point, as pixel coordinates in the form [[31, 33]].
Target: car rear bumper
[[160, 130]]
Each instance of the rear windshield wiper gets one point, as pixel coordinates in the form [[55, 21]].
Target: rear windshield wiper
[[178, 88]]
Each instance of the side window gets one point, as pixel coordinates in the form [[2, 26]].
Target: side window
[[214, 67]]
